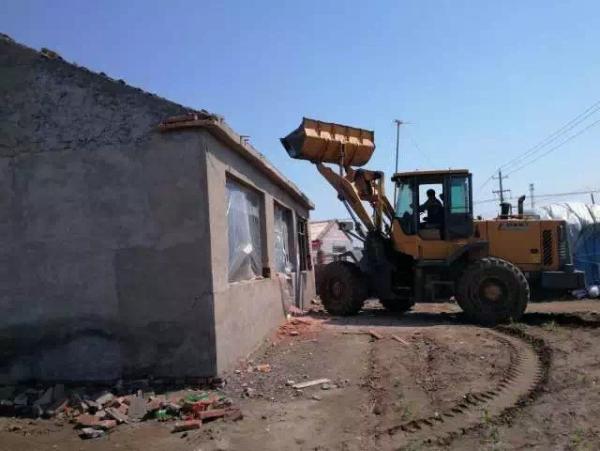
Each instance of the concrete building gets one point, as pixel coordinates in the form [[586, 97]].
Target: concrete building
[[137, 237]]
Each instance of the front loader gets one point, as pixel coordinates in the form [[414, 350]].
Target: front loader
[[428, 245]]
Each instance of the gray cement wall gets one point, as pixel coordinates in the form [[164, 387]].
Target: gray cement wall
[[113, 255], [245, 312], [104, 262]]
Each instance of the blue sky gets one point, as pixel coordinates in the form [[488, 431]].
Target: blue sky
[[479, 82]]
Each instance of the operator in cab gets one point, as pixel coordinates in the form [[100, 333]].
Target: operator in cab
[[434, 208]]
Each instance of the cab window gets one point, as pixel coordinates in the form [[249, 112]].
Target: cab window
[[459, 195], [431, 205], [405, 207]]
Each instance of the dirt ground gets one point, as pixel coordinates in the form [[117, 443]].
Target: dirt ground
[[424, 363]]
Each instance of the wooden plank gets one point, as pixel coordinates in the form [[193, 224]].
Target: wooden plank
[[310, 383]]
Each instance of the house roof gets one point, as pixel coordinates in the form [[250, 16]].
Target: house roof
[[213, 123], [318, 229], [219, 128]]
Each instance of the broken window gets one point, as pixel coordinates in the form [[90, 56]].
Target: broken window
[[303, 250], [283, 239], [244, 230]]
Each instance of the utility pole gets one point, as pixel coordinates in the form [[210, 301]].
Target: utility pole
[[531, 189], [593, 200], [398, 123], [501, 190]]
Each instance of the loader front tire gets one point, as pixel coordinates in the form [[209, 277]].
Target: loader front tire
[[493, 291], [342, 288]]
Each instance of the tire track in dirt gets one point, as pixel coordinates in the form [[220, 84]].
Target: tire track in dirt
[[521, 381], [372, 382]]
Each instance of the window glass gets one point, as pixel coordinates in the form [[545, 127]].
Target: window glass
[[459, 195], [405, 208], [404, 204], [244, 232], [283, 232]]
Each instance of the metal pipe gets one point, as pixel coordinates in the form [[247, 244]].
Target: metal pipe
[[398, 123], [520, 205]]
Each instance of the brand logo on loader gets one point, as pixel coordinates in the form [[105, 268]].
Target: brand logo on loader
[[513, 226]]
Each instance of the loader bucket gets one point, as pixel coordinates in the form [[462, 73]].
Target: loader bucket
[[322, 142]]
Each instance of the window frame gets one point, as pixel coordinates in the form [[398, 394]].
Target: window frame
[[303, 240], [290, 232], [264, 270]]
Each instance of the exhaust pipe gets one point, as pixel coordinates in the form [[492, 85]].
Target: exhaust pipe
[[520, 206]]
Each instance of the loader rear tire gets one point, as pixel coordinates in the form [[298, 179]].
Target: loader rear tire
[[397, 305], [492, 291], [342, 288]]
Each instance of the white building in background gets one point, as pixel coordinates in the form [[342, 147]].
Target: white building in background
[[328, 241]]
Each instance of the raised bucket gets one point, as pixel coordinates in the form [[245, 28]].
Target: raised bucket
[[322, 142]]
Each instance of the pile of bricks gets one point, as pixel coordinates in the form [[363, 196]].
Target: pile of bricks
[[295, 326], [93, 415]]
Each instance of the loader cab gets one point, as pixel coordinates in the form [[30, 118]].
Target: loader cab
[[435, 205]]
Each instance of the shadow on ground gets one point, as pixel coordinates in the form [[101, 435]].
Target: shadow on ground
[[373, 316], [444, 314]]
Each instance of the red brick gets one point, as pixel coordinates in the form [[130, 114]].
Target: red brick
[[187, 425], [86, 420], [106, 424], [211, 414]]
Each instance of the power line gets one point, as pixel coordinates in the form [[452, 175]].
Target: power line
[[420, 150], [488, 180], [542, 196], [552, 149], [593, 109]]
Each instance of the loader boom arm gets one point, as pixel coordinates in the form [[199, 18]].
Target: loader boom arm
[[357, 186]]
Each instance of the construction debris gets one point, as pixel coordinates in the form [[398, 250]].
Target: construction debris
[[137, 407], [306, 384], [87, 433], [296, 326], [374, 334], [187, 426], [295, 311], [97, 414], [370, 332], [400, 340], [264, 368]]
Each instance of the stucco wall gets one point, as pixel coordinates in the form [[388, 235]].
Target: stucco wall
[[104, 255], [247, 311]]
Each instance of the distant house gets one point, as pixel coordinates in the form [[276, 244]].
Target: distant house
[[138, 237], [328, 242]]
